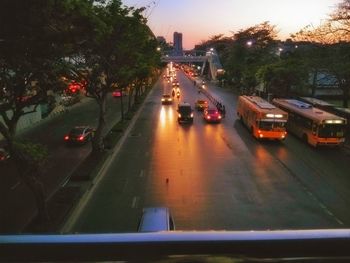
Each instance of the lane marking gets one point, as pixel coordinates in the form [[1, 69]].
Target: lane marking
[[313, 196]]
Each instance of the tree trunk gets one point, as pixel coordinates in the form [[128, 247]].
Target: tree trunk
[[37, 188], [130, 97], [97, 142], [314, 83], [29, 175], [345, 89], [122, 107]]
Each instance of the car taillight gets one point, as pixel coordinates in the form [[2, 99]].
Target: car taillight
[[81, 138], [66, 137]]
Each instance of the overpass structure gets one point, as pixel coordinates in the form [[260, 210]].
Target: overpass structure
[[210, 62]]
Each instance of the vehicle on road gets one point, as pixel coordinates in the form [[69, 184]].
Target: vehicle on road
[[212, 115], [185, 113], [117, 93], [313, 125], [156, 219], [167, 99], [264, 120], [79, 135], [4, 155], [201, 105]]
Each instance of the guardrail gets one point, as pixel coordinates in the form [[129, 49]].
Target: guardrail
[[298, 244]]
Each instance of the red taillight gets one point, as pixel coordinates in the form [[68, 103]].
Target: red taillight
[[66, 138], [81, 138]]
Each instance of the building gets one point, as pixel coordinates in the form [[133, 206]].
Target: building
[[178, 50]]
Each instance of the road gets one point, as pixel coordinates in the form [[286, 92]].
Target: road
[[219, 176], [15, 198]]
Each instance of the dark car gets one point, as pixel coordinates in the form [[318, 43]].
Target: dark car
[[185, 113], [79, 135], [167, 99], [201, 105], [212, 115]]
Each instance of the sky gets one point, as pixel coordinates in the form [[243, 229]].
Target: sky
[[198, 20]]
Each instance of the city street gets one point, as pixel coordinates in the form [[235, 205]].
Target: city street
[[216, 176]]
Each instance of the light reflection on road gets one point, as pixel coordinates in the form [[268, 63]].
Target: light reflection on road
[[186, 166]]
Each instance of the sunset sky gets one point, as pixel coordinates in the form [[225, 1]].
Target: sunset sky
[[197, 20]]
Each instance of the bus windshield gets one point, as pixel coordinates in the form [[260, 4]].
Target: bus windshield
[[331, 130], [270, 125]]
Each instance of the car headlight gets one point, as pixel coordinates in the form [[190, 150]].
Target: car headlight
[[191, 115], [179, 115]]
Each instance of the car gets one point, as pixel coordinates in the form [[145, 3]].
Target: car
[[201, 105], [212, 115], [156, 219], [4, 155], [185, 113], [167, 99], [79, 135], [117, 93]]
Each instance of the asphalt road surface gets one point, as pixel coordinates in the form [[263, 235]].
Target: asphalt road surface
[[215, 176]]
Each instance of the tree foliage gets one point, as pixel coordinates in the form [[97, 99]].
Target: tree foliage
[[251, 48]]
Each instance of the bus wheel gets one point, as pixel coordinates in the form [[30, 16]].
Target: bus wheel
[[305, 139]]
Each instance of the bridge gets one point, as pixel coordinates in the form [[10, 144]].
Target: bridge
[[210, 60]]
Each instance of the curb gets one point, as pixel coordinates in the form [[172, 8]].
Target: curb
[[81, 204]]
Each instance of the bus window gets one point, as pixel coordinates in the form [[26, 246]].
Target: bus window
[[333, 131]]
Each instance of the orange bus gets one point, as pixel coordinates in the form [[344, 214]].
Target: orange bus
[[264, 120], [313, 125]]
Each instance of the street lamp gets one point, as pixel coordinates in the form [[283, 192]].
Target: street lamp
[[249, 43]]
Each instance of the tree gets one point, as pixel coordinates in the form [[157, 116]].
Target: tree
[[251, 48], [281, 77], [333, 46], [117, 45], [33, 44]]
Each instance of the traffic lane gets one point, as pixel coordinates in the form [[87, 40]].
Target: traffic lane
[[323, 171], [116, 203], [204, 168], [207, 177]]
